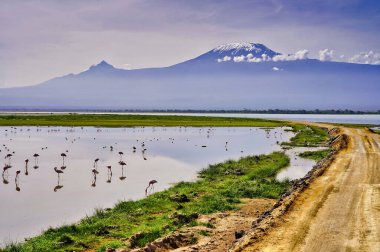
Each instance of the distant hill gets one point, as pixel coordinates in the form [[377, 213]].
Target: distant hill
[[233, 76]]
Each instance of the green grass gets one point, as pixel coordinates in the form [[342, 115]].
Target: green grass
[[219, 188], [307, 136], [315, 155], [107, 120]]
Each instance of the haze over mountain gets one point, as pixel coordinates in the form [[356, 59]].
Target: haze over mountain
[[231, 76]]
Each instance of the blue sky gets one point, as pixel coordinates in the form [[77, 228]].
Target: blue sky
[[44, 39]]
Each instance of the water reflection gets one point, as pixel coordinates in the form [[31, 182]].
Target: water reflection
[[122, 177], [17, 181], [109, 174], [298, 166], [26, 167], [5, 176]]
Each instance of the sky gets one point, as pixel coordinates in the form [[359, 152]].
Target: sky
[[43, 39]]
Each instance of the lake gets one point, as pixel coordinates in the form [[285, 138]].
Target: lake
[[38, 198]]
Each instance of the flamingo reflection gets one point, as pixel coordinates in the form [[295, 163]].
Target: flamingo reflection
[[5, 176], [94, 173], [122, 177], [109, 174], [17, 181], [26, 167]]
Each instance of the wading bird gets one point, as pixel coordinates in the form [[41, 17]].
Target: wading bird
[[121, 155], [35, 155], [122, 177], [96, 163], [63, 155], [151, 186], [58, 172]]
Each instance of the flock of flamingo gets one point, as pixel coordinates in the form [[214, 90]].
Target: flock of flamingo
[[60, 170], [94, 169]]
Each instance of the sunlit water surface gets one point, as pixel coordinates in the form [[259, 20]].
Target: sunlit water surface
[[39, 199]]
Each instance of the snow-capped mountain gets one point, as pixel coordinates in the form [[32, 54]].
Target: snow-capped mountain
[[252, 76], [237, 52]]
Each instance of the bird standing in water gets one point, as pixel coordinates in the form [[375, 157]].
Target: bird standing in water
[[151, 186]]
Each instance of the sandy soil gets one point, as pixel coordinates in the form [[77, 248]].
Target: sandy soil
[[339, 211], [222, 235]]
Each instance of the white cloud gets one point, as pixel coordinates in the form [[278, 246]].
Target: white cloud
[[300, 55], [254, 60], [326, 55], [276, 69], [225, 58], [240, 58], [265, 57], [370, 57]]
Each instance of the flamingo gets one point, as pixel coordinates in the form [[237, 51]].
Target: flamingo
[[122, 163], [96, 163], [17, 174], [121, 155], [63, 155], [151, 186], [8, 156], [35, 155], [58, 171]]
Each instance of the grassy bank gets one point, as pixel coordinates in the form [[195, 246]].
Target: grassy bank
[[107, 120], [220, 187], [315, 155], [308, 136]]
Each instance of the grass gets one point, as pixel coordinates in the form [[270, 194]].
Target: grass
[[307, 136], [107, 120], [219, 188], [315, 155]]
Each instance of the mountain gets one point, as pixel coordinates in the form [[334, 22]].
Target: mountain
[[231, 76]]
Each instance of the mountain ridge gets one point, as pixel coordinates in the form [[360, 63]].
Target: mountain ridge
[[265, 80]]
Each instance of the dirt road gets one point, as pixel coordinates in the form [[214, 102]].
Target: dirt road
[[340, 211]]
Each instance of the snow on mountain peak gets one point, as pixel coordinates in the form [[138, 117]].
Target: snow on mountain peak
[[238, 48], [235, 46]]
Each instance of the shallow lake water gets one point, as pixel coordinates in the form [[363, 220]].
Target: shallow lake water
[[298, 167], [38, 198]]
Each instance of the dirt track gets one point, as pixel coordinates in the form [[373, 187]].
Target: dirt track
[[340, 211]]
